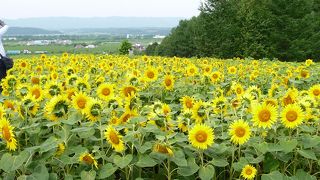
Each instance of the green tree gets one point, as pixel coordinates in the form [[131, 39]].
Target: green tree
[[151, 49], [125, 47]]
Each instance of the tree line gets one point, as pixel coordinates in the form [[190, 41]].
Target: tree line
[[288, 30]]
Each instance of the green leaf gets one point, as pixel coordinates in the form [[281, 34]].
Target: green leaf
[[270, 163], [240, 164], [190, 169], [53, 176], [10, 163], [122, 161], [40, 172], [85, 175], [307, 154], [48, 145], [275, 175], [106, 171], [206, 173], [179, 158], [288, 145], [146, 161], [303, 175], [262, 147], [219, 162]]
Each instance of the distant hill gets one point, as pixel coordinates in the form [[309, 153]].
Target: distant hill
[[119, 31], [61, 23], [14, 31]]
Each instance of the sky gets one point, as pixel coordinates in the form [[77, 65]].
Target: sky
[[15, 9]]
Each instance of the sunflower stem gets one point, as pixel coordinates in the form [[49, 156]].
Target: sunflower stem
[[101, 139]]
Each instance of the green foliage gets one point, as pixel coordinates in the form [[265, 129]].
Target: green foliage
[[152, 49], [125, 47], [287, 30]]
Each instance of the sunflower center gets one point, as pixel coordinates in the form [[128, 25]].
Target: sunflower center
[[215, 76], [128, 91], [168, 82], [6, 133], [23, 64], [150, 74], [114, 138], [304, 74], [35, 80], [239, 90], [192, 71], [81, 103], [188, 103], [240, 132], [316, 92], [264, 115], [291, 116], [36, 93], [106, 91], [288, 100], [126, 117], [88, 159], [248, 171], [201, 136]]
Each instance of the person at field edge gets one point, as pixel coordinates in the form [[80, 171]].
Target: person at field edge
[[3, 68]]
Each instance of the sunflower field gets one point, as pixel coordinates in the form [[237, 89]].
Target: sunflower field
[[119, 117]]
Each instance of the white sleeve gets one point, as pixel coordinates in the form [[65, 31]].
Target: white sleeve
[[4, 29]]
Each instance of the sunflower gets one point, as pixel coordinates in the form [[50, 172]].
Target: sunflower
[[53, 88], [57, 108], [249, 172], [80, 101], [93, 109], [83, 85], [168, 82], [9, 104], [271, 101], [304, 73], [105, 91], [151, 74], [314, 91], [290, 97], [182, 124], [125, 117], [219, 105], [37, 92], [129, 91], [114, 102], [264, 115], [7, 134], [240, 132], [309, 62], [215, 76], [238, 89], [232, 70], [292, 116], [28, 106], [114, 138], [60, 149], [187, 103], [274, 90], [87, 158], [192, 70], [114, 120], [35, 80], [199, 111], [163, 149], [201, 136], [207, 69]]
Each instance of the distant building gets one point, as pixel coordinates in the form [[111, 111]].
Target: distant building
[[41, 52], [79, 46], [26, 51], [13, 52], [158, 37], [90, 46]]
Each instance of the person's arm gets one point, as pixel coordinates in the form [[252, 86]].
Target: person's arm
[[4, 29]]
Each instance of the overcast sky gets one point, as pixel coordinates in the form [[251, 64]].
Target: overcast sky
[[13, 9]]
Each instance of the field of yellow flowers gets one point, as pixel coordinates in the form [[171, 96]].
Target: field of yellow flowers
[[119, 117]]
